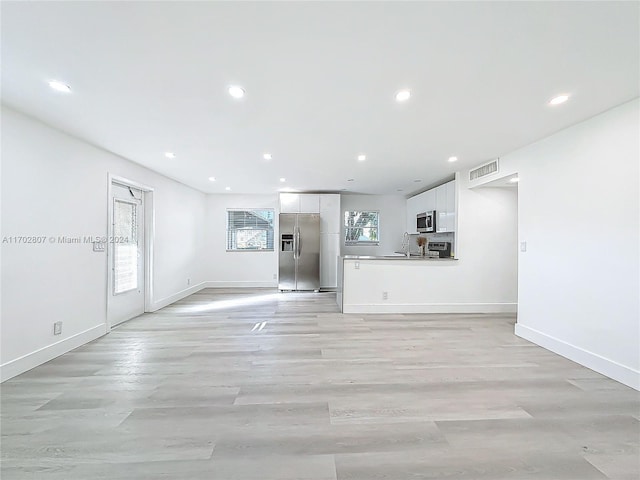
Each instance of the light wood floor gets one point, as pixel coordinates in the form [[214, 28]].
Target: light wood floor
[[238, 385]]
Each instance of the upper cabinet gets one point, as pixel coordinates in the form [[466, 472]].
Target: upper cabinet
[[441, 208], [289, 203], [299, 203], [442, 199], [309, 203], [330, 213], [451, 206]]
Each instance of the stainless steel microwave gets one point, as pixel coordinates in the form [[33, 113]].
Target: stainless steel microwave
[[426, 222]]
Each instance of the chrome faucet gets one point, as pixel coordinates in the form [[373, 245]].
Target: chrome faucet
[[405, 244]]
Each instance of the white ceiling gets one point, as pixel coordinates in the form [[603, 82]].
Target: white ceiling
[[320, 81]]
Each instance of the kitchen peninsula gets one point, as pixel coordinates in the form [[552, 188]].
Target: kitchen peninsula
[[400, 284]]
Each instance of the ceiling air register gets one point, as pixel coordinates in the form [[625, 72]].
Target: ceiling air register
[[484, 170]]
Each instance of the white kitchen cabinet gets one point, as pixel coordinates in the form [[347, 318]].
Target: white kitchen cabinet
[[414, 207], [429, 201], [309, 203], [289, 203], [329, 251], [441, 208], [299, 203], [442, 199], [330, 213], [451, 206]]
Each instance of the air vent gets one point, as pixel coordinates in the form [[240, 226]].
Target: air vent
[[484, 170]]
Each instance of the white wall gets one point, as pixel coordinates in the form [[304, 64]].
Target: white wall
[[579, 214], [54, 184], [238, 269], [392, 210], [483, 279]]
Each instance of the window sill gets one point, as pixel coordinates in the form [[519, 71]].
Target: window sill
[[253, 250]]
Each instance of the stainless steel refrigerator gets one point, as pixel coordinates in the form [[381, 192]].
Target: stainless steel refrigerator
[[299, 259]]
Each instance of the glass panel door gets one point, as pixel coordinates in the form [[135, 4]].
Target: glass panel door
[[125, 246]]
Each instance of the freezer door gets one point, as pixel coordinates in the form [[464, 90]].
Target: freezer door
[[286, 252], [308, 246]]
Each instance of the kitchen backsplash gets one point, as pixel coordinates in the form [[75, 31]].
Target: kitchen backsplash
[[433, 237]]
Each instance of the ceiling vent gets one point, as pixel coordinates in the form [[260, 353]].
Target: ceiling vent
[[484, 170]]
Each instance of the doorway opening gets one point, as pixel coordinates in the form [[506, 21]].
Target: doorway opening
[[505, 227]]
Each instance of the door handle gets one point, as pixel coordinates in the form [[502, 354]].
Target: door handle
[[299, 243], [295, 244]]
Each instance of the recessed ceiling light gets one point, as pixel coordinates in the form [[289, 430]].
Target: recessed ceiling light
[[453, 159], [60, 86], [227, 188], [417, 181], [350, 179], [399, 190], [236, 92], [403, 95], [267, 156], [169, 154], [282, 179], [514, 180], [212, 179], [362, 158], [559, 99]]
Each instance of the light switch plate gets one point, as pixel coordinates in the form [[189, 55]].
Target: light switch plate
[[357, 265], [523, 246]]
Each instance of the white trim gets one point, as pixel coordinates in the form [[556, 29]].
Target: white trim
[[210, 284], [44, 354], [241, 284], [430, 308], [605, 366], [149, 236], [157, 305]]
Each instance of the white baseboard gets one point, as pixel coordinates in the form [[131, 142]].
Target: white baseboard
[[241, 284], [44, 354], [605, 366], [31, 360], [158, 304], [430, 308]]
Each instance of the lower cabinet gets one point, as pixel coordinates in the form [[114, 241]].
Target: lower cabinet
[[329, 251]]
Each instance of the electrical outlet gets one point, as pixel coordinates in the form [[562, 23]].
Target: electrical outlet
[[275, 276], [523, 246], [385, 295], [57, 328], [357, 265], [188, 281]]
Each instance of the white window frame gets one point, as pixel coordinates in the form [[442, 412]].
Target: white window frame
[[372, 243], [228, 229]]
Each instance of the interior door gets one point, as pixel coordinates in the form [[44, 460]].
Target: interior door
[[308, 277], [126, 299]]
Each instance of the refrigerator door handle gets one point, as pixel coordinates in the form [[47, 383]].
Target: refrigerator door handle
[[295, 243], [298, 242]]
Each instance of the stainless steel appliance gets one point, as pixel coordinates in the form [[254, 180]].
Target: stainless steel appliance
[[426, 222], [442, 248], [299, 258]]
